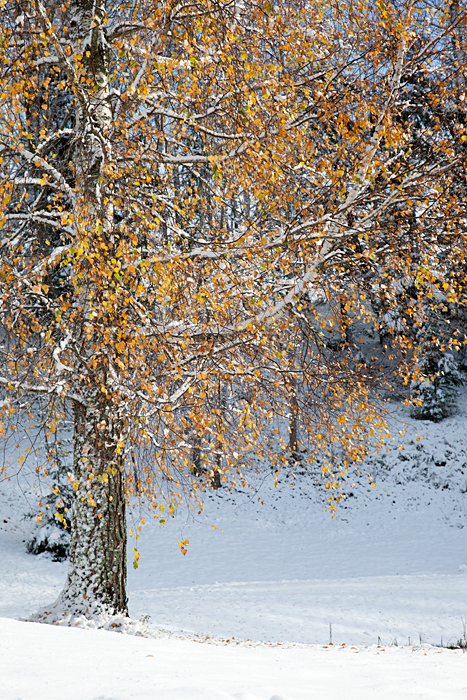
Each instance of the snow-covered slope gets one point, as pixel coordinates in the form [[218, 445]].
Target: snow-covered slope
[[391, 567]]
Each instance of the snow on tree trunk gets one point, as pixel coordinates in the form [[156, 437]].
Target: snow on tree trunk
[[97, 571], [96, 581]]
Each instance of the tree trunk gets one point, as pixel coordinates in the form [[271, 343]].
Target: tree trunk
[[293, 422], [97, 573]]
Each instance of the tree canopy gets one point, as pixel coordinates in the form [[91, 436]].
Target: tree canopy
[[182, 185]]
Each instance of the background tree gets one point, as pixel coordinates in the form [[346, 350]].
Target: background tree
[[54, 455], [227, 166], [420, 300]]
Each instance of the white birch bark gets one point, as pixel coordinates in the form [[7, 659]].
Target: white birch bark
[[96, 581]]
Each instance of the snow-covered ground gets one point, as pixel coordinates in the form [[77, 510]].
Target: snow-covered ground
[[40, 662], [390, 568]]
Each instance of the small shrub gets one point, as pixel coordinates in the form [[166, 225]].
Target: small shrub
[[437, 388], [49, 537]]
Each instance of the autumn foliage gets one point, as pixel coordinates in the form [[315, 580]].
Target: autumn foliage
[[202, 205]]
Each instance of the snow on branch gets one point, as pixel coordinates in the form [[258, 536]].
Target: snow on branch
[[39, 162]]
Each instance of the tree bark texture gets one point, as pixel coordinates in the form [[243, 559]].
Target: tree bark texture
[[97, 572]]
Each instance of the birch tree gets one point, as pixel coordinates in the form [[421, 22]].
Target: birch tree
[[285, 115]]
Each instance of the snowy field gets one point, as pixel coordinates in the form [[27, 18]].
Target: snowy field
[[42, 663], [250, 611]]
